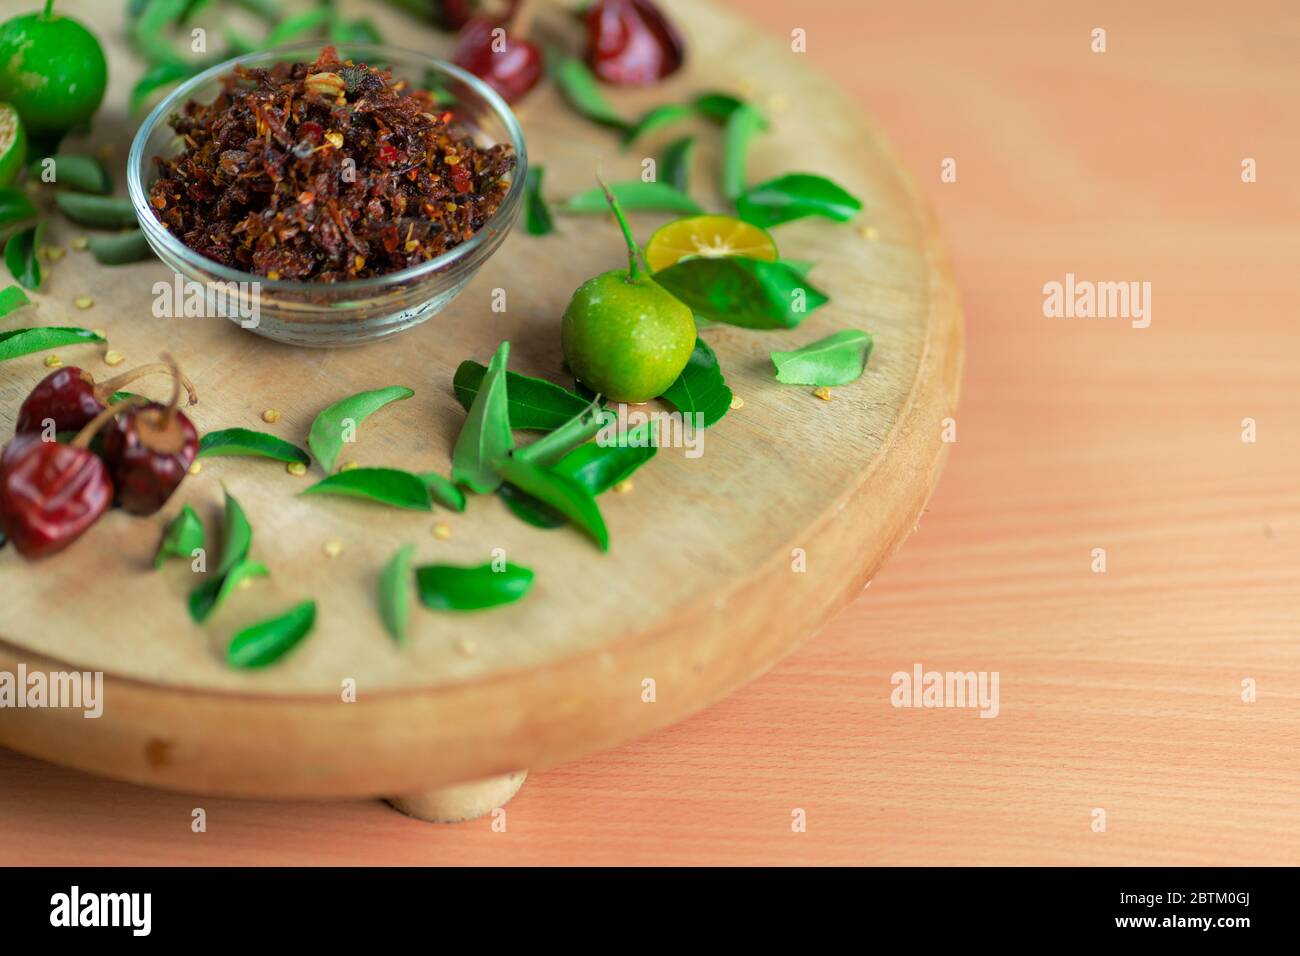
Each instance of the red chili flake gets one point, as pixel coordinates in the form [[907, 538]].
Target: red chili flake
[[256, 190]]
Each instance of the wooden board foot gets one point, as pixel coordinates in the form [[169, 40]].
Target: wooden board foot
[[465, 801]]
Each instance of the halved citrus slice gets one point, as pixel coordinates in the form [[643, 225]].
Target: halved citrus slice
[[707, 236], [13, 144]]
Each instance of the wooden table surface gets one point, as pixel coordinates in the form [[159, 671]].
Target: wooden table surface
[[1119, 691]]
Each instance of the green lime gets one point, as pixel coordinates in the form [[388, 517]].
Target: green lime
[[13, 144], [623, 334], [52, 70], [628, 339]]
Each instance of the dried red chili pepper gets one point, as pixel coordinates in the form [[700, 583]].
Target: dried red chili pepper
[[50, 493], [149, 450], [69, 397], [632, 43], [508, 62], [378, 160]]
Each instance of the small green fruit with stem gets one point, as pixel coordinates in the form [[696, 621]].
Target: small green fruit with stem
[[52, 69], [623, 334]]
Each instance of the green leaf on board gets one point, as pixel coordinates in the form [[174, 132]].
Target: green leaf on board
[[485, 437], [701, 388], [245, 441], [598, 467], [182, 537], [717, 106], [556, 444], [749, 293], [537, 215], [74, 170], [336, 425], [236, 536], [120, 249], [107, 212], [12, 298], [655, 119], [300, 26], [267, 641], [534, 404], [583, 93], [559, 492], [742, 124], [675, 163], [160, 76], [835, 360], [21, 256], [635, 194], [14, 206], [16, 342], [212, 593], [795, 196], [388, 486], [448, 587], [443, 491], [395, 593]]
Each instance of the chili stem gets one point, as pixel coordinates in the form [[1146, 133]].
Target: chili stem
[[523, 19], [83, 437], [49, 9], [106, 389]]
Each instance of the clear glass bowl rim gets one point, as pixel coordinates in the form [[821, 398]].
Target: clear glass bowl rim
[[177, 98]]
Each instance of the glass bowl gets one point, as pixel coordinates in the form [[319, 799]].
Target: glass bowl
[[333, 313]]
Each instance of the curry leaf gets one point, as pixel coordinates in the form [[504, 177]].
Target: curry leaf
[[447, 587], [108, 212], [559, 492], [236, 536], [395, 593], [572, 433], [742, 124], [579, 86], [18, 342], [164, 74], [485, 437], [739, 291], [182, 537], [212, 593], [267, 641], [656, 118], [634, 194], [12, 298], [835, 360], [340, 420], [599, 467], [675, 163], [388, 486], [795, 196], [14, 206], [21, 256], [83, 173], [443, 491], [299, 26], [538, 220], [245, 441], [120, 249], [534, 404], [700, 389], [717, 106]]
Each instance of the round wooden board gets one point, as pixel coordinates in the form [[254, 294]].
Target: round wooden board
[[698, 592]]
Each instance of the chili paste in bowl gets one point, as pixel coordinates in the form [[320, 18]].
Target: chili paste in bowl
[[351, 195]]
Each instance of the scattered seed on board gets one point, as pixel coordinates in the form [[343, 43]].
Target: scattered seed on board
[[349, 466], [114, 357], [870, 233], [623, 487], [333, 548], [823, 393], [737, 402], [196, 467], [467, 646], [53, 253], [270, 416], [81, 243], [53, 361], [442, 531], [296, 468], [83, 302]]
